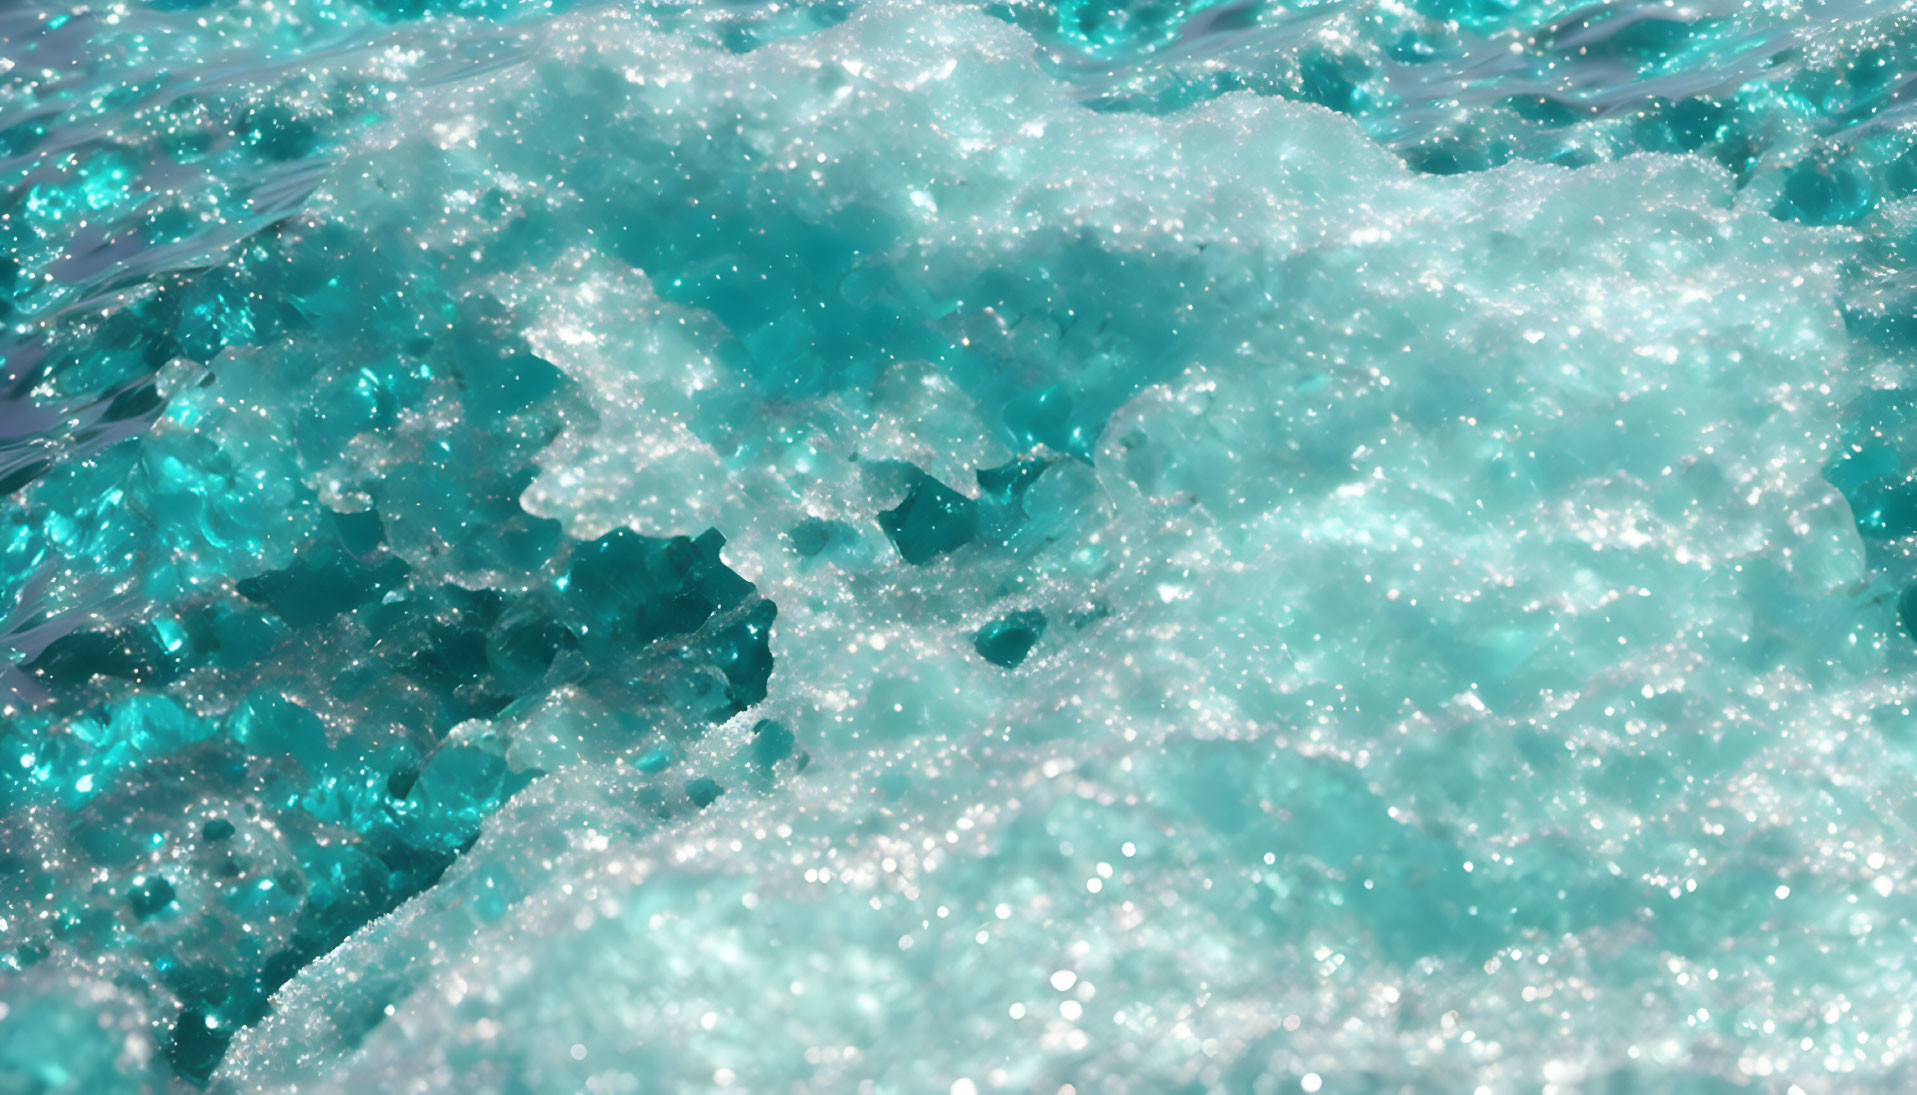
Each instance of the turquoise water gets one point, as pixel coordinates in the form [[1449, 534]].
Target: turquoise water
[[921, 548]]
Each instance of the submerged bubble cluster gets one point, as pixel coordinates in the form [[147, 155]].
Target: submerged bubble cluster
[[1095, 546]]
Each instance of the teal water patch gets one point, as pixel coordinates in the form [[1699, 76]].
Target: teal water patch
[[1139, 546], [1007, 642]]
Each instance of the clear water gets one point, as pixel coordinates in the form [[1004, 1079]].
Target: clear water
[[913, 547]]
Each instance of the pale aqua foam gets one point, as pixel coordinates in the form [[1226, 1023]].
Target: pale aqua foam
[[1460, 666]]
